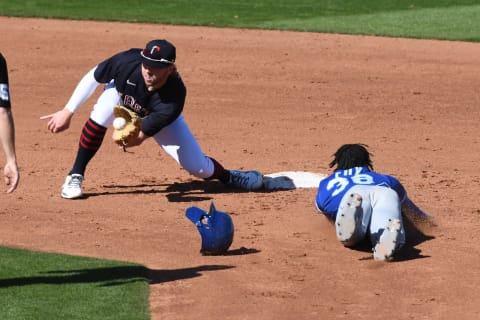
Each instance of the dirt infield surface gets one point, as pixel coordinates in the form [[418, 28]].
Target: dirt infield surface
[[272, 101]]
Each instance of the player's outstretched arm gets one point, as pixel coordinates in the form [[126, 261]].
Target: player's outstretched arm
[[58, 121], [7, 140]]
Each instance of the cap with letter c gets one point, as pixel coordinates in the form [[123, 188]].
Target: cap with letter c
[[158, 54]]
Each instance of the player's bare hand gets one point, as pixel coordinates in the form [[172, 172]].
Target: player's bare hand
[[58, 121], [11, 176]]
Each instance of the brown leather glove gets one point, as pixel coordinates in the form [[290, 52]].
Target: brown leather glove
[[132, 128]]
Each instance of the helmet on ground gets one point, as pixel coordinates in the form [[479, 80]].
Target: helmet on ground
[[215, 227]]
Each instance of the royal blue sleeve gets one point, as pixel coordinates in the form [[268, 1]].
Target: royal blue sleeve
[[398, 187]]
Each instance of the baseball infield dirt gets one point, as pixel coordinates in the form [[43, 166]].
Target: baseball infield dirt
[[272, 101]]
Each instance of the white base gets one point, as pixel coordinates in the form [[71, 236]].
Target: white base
[[288, 180]]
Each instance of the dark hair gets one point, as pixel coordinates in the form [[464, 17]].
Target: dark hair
[[352, 155]]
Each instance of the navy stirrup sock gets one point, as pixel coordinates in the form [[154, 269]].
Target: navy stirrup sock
[[90, 141], [219, 172]]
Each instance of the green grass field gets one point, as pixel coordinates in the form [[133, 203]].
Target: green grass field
[[37, 285], [52, 286], [435, 19]]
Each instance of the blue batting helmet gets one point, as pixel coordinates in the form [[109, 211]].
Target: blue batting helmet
[[215, 227]]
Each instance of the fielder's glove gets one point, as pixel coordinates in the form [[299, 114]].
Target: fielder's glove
[[131, 129]]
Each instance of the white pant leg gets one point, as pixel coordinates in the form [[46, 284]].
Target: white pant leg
[[102, 112], [379, 204], [178, 141], [361, 227], [385, 206]]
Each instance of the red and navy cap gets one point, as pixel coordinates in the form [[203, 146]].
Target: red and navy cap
[[158, 54]]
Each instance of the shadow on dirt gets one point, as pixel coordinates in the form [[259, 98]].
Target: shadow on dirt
[[415, 230], [111, 276], [241, 251], [162, 276], [191, 191]]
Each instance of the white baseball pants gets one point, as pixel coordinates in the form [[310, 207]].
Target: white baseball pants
[[176, 139], [379, 204]]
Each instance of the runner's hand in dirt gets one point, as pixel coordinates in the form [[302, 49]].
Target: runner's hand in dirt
[[58, 121]]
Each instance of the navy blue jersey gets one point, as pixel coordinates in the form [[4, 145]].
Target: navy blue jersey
[[4, 93], [332, 189], [157, 108]]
